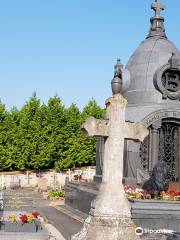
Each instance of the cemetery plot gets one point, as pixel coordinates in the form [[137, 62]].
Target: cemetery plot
[[20, 216]]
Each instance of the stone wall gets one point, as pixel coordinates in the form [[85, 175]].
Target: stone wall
[[44, 179]]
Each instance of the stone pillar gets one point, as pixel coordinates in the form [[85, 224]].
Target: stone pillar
[[99, 159], [154, 145], [110, 216]]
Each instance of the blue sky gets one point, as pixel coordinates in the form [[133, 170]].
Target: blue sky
[[69, 47]]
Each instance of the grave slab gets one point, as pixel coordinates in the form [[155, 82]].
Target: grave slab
[[42, 235]]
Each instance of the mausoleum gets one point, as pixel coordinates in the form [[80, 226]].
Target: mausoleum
[[152, 88], [151, 85]]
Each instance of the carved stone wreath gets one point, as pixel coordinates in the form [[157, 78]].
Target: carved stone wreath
[[167, 80]]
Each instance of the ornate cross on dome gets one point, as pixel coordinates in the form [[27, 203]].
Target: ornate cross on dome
[[157, 7], [157, 22]]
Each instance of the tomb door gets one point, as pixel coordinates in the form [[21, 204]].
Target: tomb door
[[167, 149]]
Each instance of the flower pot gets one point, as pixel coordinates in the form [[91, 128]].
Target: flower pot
[[19, 227]]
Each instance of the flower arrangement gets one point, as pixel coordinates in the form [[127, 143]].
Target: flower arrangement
[[24, 218], [22, 222], [137, 193], [170, 195]]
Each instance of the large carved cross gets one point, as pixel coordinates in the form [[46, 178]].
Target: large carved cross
[[111, 199], [157, 7], [110, 216]]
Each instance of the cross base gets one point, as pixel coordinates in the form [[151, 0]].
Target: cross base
[[107, 228]]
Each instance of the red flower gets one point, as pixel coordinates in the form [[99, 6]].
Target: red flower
[[23, 218], [35, 214], [177, 194], [172, 193]]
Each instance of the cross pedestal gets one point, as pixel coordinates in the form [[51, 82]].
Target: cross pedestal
[[110, 217]]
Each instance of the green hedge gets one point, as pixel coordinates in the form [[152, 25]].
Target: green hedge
[[40, 136]]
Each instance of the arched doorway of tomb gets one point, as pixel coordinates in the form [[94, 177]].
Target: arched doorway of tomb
[[162, 144]]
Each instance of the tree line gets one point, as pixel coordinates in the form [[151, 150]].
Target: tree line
[[41, 136]]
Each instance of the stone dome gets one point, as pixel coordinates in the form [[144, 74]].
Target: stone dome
[[152, 54]]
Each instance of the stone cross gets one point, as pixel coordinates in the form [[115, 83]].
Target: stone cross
[[157, 7], [109, 217]]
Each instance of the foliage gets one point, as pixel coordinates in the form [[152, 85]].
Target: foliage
[[56, 193], [40, 136], [78, 150]]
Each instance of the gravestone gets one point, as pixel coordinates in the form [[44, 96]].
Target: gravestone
[[18, 202], [110, 216]]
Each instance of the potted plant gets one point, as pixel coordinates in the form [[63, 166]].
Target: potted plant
[[56, 194], [22, 222]]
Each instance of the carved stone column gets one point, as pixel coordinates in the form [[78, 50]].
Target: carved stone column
[[155, 144]]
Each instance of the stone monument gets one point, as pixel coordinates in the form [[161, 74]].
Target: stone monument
[[153, 98], [110, 216], [151, 85], [153, 94]]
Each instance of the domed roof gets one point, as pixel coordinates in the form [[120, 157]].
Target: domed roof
[[152, 54]]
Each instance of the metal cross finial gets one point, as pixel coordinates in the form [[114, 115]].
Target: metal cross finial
[[157, 7], [157, 22]]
